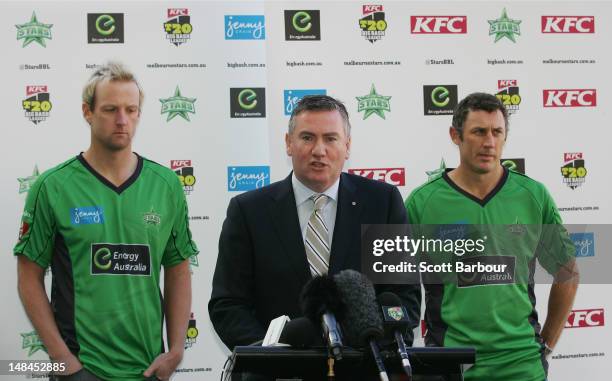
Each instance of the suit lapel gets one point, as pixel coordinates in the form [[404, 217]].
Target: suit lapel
[[347, 222], [287, 225]]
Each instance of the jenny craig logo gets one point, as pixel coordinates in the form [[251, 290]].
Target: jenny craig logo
[[87, 215], [292, 97], [568, 24], [245, 27], [438, 24], [393, 176], [247, 178], [586, 318], [570, 97], [584, 243]]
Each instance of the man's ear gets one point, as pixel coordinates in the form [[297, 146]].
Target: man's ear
[[288, 147], [454, 135], [86, 112]]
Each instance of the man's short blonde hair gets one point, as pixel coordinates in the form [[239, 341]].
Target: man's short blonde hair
[[112, 71]]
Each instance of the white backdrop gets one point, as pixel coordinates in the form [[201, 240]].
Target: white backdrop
[[344, 64]]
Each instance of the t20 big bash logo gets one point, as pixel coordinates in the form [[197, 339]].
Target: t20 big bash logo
[[37, 105]]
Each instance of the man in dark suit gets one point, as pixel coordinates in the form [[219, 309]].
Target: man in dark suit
[[276, 238]]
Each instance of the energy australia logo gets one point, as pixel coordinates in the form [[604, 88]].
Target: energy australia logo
[[247, 178], [584, 243], [292, 97], [250, 27], [120, 259], [87, 215]]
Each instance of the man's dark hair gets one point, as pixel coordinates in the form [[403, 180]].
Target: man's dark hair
[[475, 102], [320, 103]]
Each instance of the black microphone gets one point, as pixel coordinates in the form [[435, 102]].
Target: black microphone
[[300, 333], [321, 304], [362, 323], [396, 321]]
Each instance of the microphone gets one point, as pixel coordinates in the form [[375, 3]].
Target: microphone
[[396, 320], [362, 322], [321, 304], [300, 333]]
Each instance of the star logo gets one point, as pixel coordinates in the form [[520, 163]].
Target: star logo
[[32, 343], [504, 27], [34, 31], [152, 218], [436, 172], [177, 105], [25, 183], [373, 103]]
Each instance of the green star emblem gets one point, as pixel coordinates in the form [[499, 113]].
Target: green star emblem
[[373, 104], [436, 172], [25, 183], [177, 105], [34, 31], [32, 342], [504, 27], [152, 218]]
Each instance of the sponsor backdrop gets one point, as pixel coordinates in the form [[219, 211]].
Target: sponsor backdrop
[[221, 79]]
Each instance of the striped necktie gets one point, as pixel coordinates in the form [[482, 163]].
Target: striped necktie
[[317, 238]]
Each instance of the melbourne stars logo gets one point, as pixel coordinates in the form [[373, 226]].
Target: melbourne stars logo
[[435, 173], [34, 31], [32, 343], [37, 105], [177, 105], [504, 27], [373, 103], [25, 183], [151, 217], [178, 26], [373, 24]]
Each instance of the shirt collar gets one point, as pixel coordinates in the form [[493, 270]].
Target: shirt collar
[[303, 193]]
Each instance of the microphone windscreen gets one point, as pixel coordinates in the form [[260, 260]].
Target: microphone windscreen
[[362, 321], [320, 295], [301, 333], [393, 312]]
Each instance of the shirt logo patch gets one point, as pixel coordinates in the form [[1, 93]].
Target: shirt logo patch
[[152, 218], [120, 259], [87, 215]]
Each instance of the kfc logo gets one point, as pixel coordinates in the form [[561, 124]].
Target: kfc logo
[[570, 98], [438, 24], [568, 24], [173, 12], [393, 176], [585, 318]]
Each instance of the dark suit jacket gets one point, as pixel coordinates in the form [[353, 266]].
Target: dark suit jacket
[[262, 266]]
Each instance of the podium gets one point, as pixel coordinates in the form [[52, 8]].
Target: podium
[[428, 363]]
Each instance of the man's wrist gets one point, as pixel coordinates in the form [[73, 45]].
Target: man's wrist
[[547, 348]]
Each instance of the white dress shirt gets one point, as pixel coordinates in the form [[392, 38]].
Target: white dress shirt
[[305, 205]]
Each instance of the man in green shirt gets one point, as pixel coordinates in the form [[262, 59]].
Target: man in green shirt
[[495, 314], [106, 221]]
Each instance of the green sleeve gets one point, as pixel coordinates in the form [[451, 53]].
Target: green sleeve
[[38, 226], [556, 247], [180, 246]]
